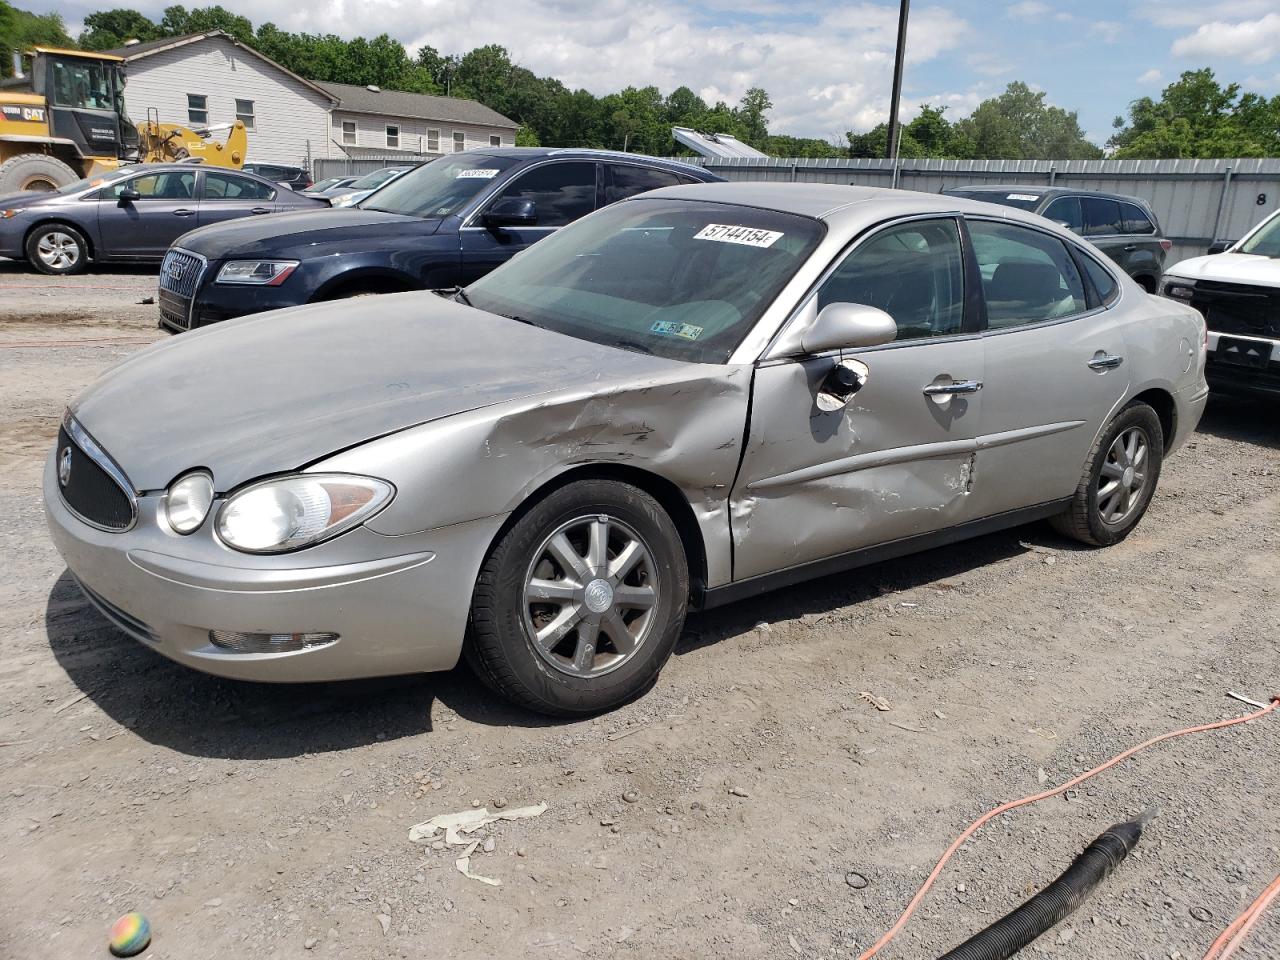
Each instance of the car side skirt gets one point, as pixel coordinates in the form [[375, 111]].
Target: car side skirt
[[753, 586]]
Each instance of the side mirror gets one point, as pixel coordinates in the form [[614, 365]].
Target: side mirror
[[512, 212], [843, 326], [128, 196], [1220, 246]]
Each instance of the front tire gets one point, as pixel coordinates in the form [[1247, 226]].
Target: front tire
[[1119, 479], [581, 602], [58, 249]]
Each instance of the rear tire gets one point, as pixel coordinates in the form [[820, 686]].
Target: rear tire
[[58, 249], [1120, 477], [581, 602], [34, 171]]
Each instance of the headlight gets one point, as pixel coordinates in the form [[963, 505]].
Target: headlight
[[1177, 288], [293, 512], [269, 273], [346, 200], [187, 501]]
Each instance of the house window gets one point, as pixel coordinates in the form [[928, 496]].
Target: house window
[[459, 141], [348, 131], [433, 141], [495, 141], [393, 135], [198, 109], [244, 113]]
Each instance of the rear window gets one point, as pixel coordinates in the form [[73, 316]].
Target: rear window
[[1022, 199], [1136, 219]]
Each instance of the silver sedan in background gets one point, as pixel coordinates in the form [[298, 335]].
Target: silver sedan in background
[[688, 397]]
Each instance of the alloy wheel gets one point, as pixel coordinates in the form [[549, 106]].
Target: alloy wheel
[[1123, 478], [590, 596]]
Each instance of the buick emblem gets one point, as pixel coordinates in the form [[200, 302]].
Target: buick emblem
[[64, 466]]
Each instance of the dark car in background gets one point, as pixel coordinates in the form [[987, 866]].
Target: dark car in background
[[133, 213], [443, 224], [1124, 228], [295, 178]]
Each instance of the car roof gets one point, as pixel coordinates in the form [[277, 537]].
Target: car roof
[[593, 153], [1054, 191]]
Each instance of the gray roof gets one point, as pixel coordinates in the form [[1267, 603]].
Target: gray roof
[[417, 106], [715, 146]]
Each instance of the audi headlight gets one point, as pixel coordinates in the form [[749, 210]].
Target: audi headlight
[[270, 273], [294, 512], [187, 501]]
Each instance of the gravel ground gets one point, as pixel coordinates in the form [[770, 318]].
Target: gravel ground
[[716, 817]]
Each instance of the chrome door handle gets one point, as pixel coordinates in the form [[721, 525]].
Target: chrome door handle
[[184, 212], [1105, 362], [950, 389], [1130, 248], [260, 210]]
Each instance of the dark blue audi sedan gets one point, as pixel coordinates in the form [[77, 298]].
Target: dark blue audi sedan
[[443, 224]]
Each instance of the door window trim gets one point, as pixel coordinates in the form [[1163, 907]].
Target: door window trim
[[202, 193]]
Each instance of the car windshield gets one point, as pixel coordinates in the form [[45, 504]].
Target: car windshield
[[326, 183], [1266, 241], [376, 179], [676, 278], [1023, 200], [438, 188], [97, 180]]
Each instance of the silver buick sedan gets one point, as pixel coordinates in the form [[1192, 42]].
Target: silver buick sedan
[[685, 398]]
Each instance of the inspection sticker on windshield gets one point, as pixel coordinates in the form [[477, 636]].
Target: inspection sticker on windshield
[[1029, 197], [476, 173], [685, 331], [747, 236]]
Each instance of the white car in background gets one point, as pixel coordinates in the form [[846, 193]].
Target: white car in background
[[1238, 291], [353, 193]]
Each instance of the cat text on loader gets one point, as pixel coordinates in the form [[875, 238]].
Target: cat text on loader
[[63, 118]]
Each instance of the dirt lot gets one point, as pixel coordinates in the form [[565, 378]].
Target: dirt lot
[[250, 820]]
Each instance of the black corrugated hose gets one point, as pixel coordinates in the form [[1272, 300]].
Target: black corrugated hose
[[1055, 902]]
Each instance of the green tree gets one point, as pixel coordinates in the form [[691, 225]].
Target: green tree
[[108, 29], [527, 137], [752, 108], [178, 21], [21, 30], [1019, 125]]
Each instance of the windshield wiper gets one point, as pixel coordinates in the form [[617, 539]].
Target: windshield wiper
[[633, 345]]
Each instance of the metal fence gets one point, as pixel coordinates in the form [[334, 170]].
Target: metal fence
[[359, 166], [1196, 201]]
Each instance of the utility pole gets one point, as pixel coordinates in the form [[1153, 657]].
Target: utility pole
[[891, 148]]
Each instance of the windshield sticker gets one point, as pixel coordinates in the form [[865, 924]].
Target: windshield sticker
[[685, 331], [1029, 197], [476, 173], [747, 236]]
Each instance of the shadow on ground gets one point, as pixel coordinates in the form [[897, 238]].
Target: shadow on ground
[[1245, 419]]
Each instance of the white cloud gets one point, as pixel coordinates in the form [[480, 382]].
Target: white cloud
[[1109, 31], [1191, 13], [1253, 41], [1028, 10], [1151, 78], [989, 64]]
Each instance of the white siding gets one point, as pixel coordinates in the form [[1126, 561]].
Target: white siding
[[287, 114], [371, 131]]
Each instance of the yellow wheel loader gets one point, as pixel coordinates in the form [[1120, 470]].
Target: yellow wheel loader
[[63, 119]]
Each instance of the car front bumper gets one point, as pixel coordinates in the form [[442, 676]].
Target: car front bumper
[[398, 604], [214, 302]]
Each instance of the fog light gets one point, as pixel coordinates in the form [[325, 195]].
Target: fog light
[[269, 642]]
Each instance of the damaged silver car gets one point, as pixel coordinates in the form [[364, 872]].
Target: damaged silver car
[[688, 397]]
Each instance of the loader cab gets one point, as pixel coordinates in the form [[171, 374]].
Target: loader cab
[[84, 93]]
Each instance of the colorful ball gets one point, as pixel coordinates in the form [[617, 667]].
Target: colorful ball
[[130, 935]]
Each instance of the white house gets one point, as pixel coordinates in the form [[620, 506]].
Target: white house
[[211, 78]]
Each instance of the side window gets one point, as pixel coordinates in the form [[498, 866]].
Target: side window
[[495, 140], [1101, 216], [626, 181], [563, 191], [459, 141], [913, 272], [1066, 210], [227, 186], [393, 135], [169, 185], [1136, 219], [1027, 276], [348, 131], [433, 141], [1103, 282], [197, 109]]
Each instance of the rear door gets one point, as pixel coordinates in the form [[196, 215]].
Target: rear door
[[144, 228], [1104, 227], [622, 180], [1142, 247], [227, 196], [563, 190], [1055, 367]]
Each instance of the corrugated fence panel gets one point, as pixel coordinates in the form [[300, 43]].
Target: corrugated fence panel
[[1195, 200]]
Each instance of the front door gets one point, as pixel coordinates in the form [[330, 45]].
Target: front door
[[1055, 367], [166, 208], [563, 191], [897, 460]]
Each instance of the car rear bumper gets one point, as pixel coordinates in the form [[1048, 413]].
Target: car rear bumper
[[400, 608]]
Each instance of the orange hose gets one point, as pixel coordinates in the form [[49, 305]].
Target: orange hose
[[1045, 795], [1235, 935]]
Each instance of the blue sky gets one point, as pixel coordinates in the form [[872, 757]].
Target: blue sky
[[826, 65]]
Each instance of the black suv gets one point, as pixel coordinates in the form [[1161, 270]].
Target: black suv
[[295, 178], [1124, 228], [443, 224]]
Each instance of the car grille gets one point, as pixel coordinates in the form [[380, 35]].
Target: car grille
[[180, 275], [119, 619], [94, 488], [1238, 308]]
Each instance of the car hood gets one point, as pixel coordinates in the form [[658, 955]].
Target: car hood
[[1230, 268], [277, 391], [27, 198], [271, 234]]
